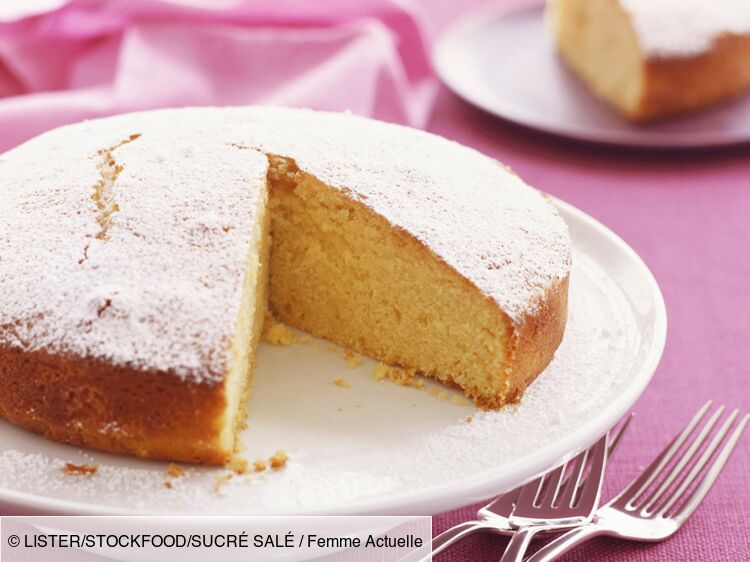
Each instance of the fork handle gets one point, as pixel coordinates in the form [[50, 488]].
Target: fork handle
[[519, 543], [455, 534], [553, 550]]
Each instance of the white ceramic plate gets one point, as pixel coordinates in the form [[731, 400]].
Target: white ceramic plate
[[380, 448], [505, 63]]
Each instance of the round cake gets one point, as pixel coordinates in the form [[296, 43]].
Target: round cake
[[140, 254]]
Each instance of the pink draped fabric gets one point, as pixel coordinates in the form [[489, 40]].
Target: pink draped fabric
[[87, 59]]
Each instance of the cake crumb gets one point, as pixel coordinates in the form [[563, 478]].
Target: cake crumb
[[442, 394], [219, 481], [276, 333], [278, 460], [238, 465], [174, 470], [259, 465], [352, 359], [380, 372], [468, 419], [403, 377], [332, 347], [71, 469], [459, 400], [341, 382]]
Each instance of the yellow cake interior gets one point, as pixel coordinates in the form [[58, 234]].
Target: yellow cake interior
[[597, 40], [339, 271]]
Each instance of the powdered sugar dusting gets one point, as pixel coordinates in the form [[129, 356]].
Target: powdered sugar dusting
[[133, 254], [161, 289], [675, 28], [367, 442], [470, 211]]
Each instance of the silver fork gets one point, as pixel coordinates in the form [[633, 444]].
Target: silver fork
[[495, 516], [649, 509], [556, 503]]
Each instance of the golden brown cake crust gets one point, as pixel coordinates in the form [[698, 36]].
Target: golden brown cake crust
[[537, 340], [680, 84], [75, 400]]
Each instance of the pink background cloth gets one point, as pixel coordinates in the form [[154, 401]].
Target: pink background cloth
[[685, 213]]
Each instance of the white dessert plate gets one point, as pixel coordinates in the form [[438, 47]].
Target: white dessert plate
[[505, 63], [370, 447]]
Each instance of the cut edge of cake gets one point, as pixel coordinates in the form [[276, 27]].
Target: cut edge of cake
[[598, 42], [522, 352], [466, 341], [247, 333]]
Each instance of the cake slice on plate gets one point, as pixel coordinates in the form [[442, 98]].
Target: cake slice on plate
[[656, 58]]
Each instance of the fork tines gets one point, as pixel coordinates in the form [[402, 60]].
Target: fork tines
[[680, 477], [573, 469], [567, 491]]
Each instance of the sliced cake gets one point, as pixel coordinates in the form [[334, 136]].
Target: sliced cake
[[139, 254], [655, 58]]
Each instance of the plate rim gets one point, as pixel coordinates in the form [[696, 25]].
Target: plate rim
[[608, 137], [456, 493]]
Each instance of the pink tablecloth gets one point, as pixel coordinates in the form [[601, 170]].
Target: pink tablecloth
[[686, 214]]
